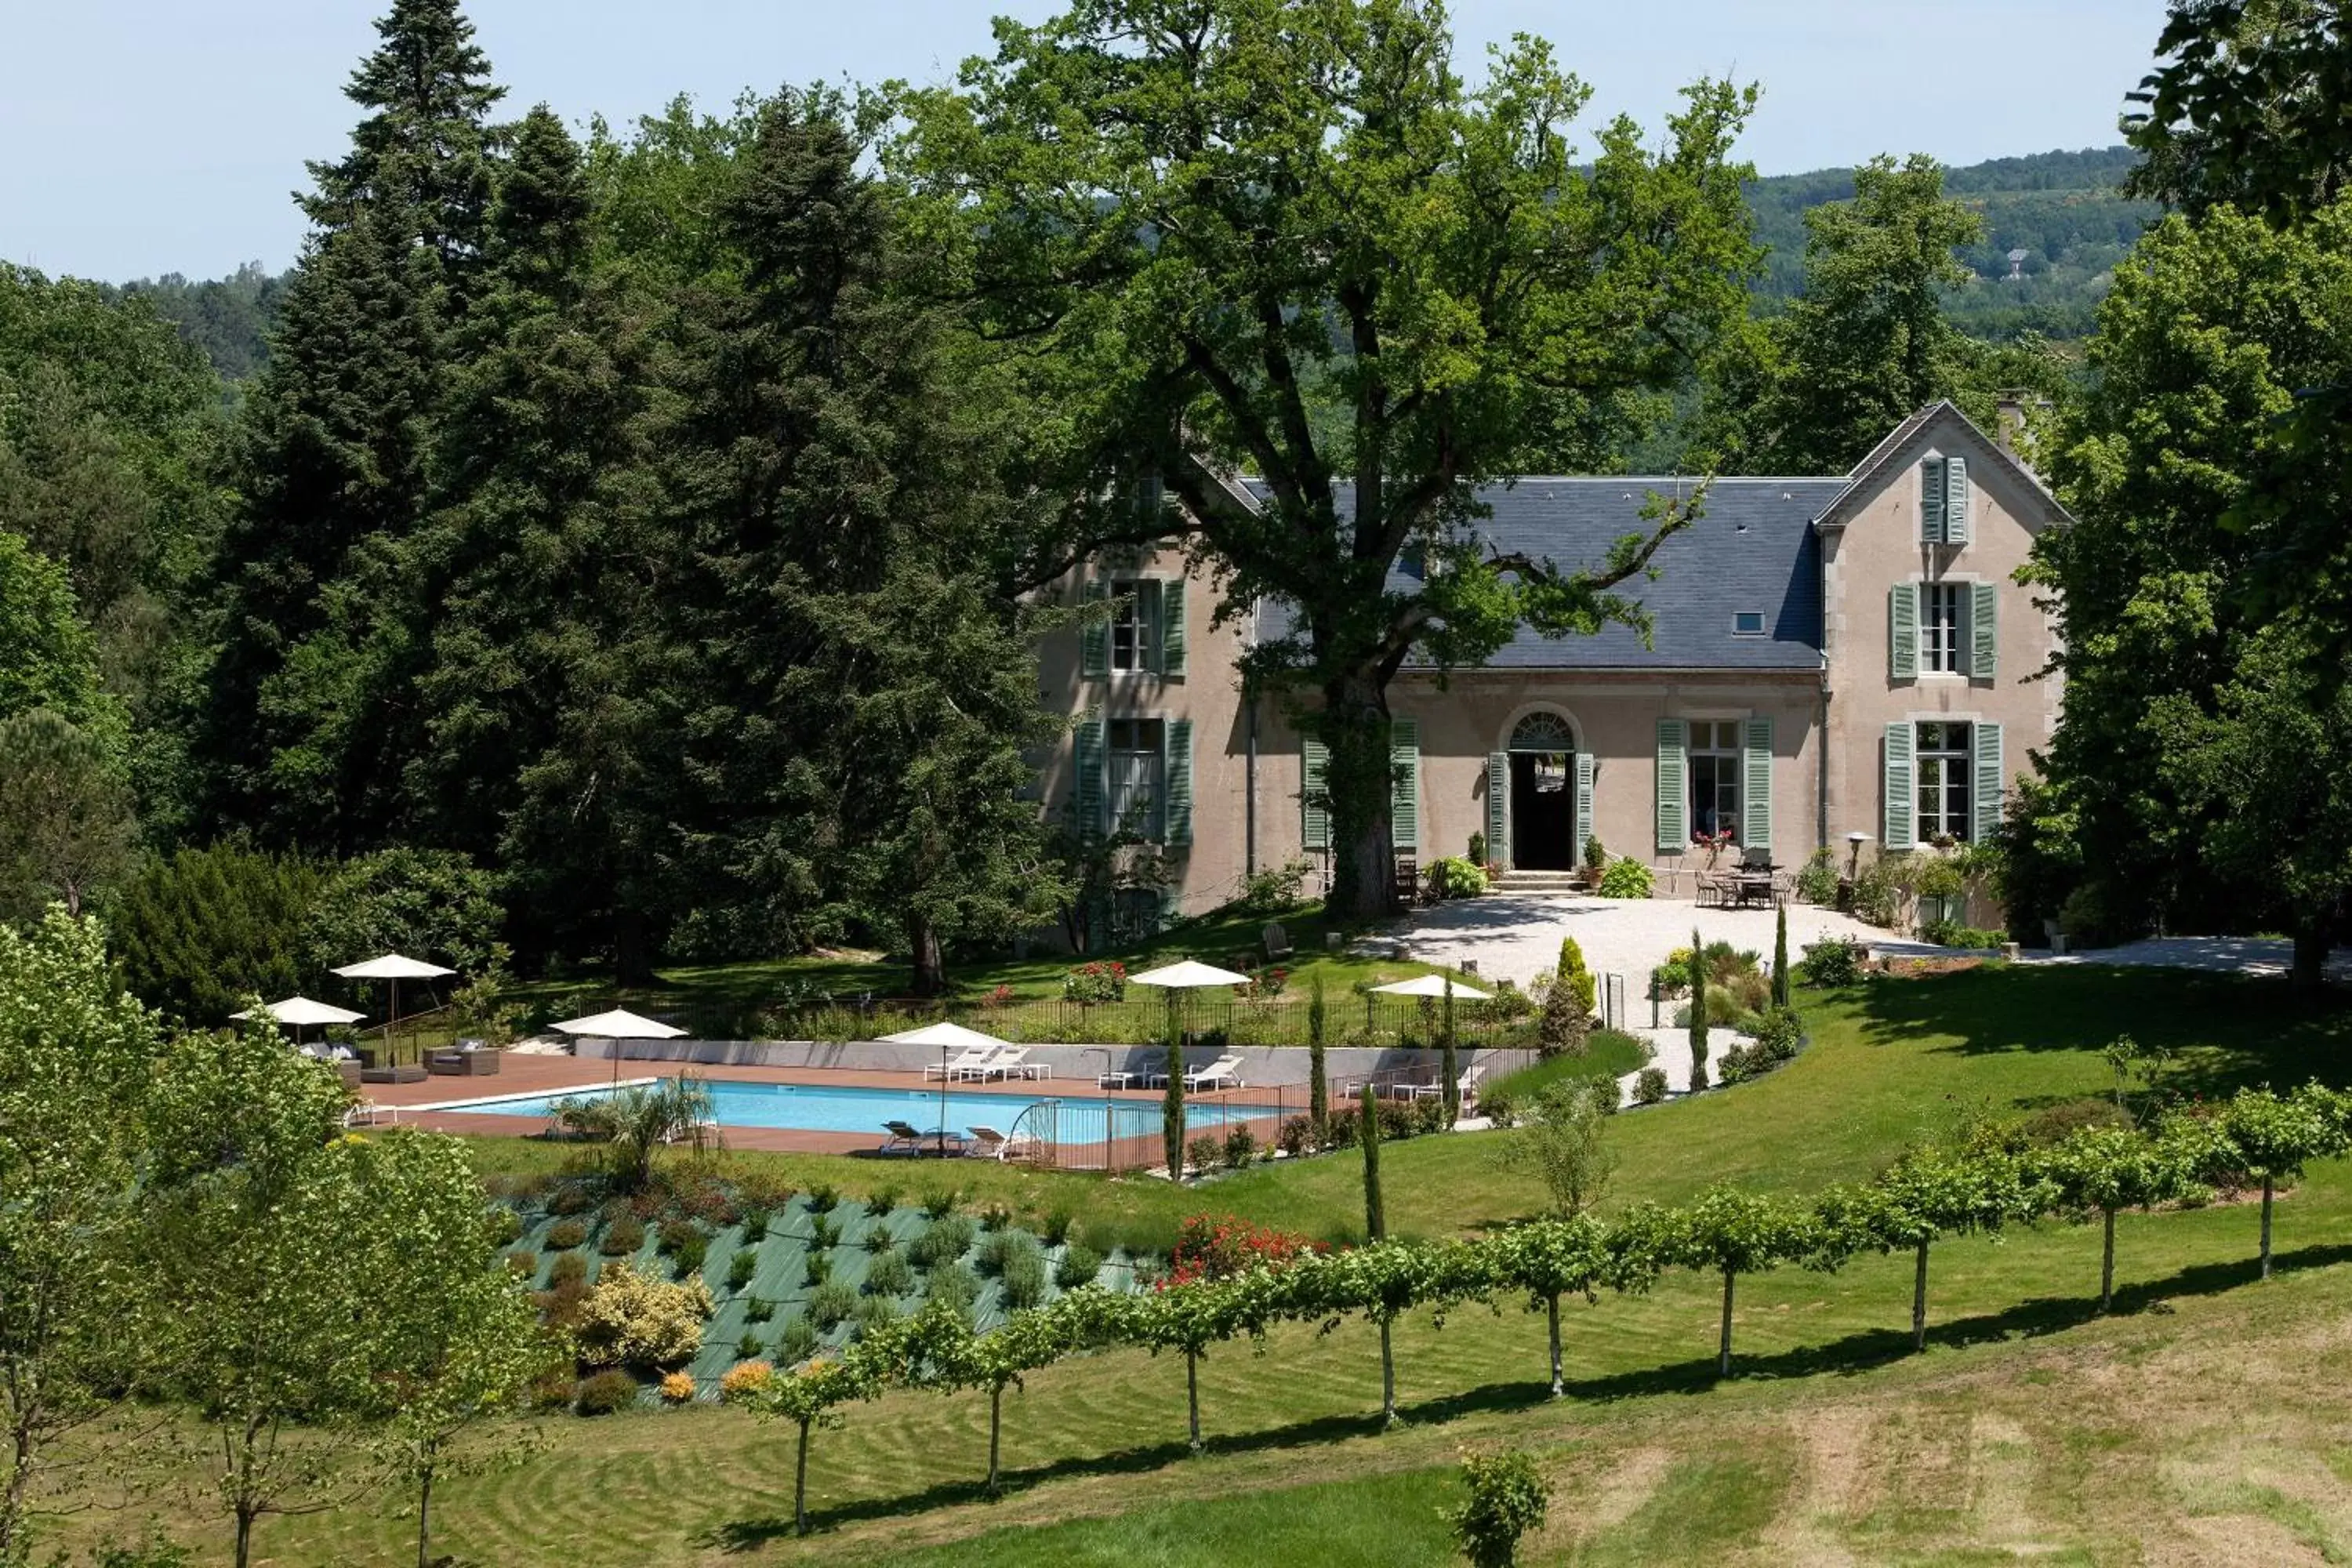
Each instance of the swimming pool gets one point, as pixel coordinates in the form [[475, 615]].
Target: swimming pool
[[1085, 1115]]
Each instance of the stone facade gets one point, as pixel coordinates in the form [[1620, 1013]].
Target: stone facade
[[1801, 750]]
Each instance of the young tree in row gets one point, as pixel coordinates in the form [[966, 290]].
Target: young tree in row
[[2273, 1137], [1928, 1194], [1549, 1259], [1732, 1232], [2104, 1171], [77, 1067], [1293, 239]]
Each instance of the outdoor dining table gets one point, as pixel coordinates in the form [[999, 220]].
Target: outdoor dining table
[[1750, 887]]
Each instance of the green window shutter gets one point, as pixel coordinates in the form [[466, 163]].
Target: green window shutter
[[1583, 802], [1498, 806], [1094, 638], [1756, 786], [1956, 501], [1091, 756], [1903, 632], [1990, 780], [1404, 787], [1898, 831], [1674, 788], [1177, 771], [1931, 501], [1984, 631], [1171, 628], [1315, 813]]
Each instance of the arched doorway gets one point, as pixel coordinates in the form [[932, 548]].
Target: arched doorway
[[1543, 793]]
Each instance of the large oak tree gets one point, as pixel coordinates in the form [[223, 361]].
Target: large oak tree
[[1285, 236]]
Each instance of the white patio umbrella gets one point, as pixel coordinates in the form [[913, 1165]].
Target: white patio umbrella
[[946, 1036], [1188, 975], [620, 1024], [1430, 985], [298, 1011], [392, 967]]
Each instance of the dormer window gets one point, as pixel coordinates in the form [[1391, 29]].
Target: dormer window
[[1748, 623]]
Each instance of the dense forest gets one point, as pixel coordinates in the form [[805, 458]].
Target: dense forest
[[2067, 210]]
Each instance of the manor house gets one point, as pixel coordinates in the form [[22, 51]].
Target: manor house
[[1831, 656]]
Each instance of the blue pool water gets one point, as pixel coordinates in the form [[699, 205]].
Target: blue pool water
[[823, 1108]]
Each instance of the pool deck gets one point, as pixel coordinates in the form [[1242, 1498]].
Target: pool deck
[[533, 1074]]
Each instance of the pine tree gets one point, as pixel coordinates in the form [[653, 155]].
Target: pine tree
[[301, 738]]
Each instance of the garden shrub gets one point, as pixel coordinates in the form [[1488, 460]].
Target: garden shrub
[[873, 1312], [822, 1198], [954, 1284], [941, 1202], [994, 1248], [823, 1233], [746, 1380], [763, 1191], [687, 1261], [759, 1310], [1817, 883], [1079, 1265], [155, 1551], [203, 931], [831, 1303], [1671, 978], [879, 1239], [1951, 933], [571, 1199], [677, 1387], [797, 1343], [816, 1268], [881, 1201], [604, 1393], [1649, 1086], [1779, 1032], [1506, 1499], [741, 1268], [1567, 1019], [552, 1389], [1101, 981], [1596, 854], [1274, 891], [1240, 1143], [890, 1275], [1201, 1153], [635, 1319], [1455, 877], [748, 1346], [569, 1269], [1056, 1228], [566, 1234], [622, 1238], [1297, 1135], [506, 1227], [1836, 961], [1023, 1273], [1626, 879], [523, 1265], [944, 1240], [995, 1216]]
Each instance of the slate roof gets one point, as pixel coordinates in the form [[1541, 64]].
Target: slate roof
[[1753, 549]]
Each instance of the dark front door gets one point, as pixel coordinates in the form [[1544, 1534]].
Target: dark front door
[[1543, 811]]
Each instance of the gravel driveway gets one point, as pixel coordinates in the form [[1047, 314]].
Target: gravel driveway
[[1514, 936]]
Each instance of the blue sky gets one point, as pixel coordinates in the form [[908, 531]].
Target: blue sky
[[147, 136]]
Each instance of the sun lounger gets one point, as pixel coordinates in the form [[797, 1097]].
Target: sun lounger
[[1467, 1084], [1012, 1062], [988, 1143], [973, 1059], [1222, 1073], [905, 1139]]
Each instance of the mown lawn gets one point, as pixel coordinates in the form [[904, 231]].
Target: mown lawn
[[2205, 1415]]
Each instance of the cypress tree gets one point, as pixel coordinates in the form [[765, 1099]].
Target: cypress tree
[[1447, 1064], [1171, 1112], [1780, 957], [1318, 1086], [1368, 1131], [1699, 1013]]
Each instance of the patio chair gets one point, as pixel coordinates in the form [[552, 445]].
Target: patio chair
[[1222, 1073], [1010, 1062], [973, 1058], [1277, 943], [1465, 1086], [367, 1114], [988, 1143]]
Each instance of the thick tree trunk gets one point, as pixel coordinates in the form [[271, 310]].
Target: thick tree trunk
[[2310, 958], [2269, 1184], [1559, 1384], [800, 1485], [1388, 1380], [1192, 1395], [1723, 1356], [1359, 778], [1919, 1302], [2107, 1267], [424, 1518], [930, 971]]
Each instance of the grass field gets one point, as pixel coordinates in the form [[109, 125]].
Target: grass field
[[2202, 1422]]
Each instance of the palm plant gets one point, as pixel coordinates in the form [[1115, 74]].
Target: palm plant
[[633, 1122]]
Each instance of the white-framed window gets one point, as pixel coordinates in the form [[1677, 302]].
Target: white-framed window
[[1946, 765], [1137, 777], [1135, 626], [1716, 754], [1943, 608]]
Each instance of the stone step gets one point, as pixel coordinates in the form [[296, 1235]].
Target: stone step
[[1537, 882]]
